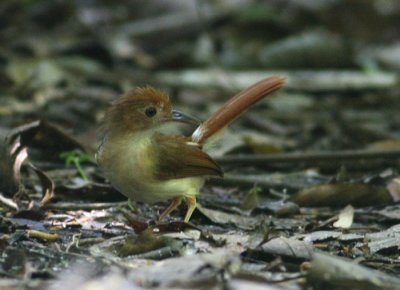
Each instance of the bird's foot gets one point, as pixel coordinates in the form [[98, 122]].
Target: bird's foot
[[191, 206], [174, 204]]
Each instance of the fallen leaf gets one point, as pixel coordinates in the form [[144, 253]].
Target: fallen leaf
[[342, 194], [144, 242], [261, 143], [284, 247], [390, 144], [220, 217], [394, 189], [345, 219], [15, 262], [48, 185], [329, 272], [12, 156]]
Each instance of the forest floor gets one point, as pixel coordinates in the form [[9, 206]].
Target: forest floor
[[310, 195]]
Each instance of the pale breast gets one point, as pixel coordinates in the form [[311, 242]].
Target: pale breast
[[129, 166]]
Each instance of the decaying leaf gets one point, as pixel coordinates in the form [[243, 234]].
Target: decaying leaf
[[384, 240], [342, 195], [390, 244], [388, 144], [192, 272], [329, 272], [12, 156], [239, 284], [284, 247], [15, 263], [83, 276], [48, 185], [391, 212], [251, 200], [319, 236], [144, 242], [46, 137], [260, 143], [139, 224], [394, 189], [220, 217], [14, 151]]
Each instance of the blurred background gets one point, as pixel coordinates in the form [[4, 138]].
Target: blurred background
[[64, 61]]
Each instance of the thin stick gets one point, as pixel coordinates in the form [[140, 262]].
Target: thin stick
[[8, 202], [315, 157], [263, 181], [83, 206]]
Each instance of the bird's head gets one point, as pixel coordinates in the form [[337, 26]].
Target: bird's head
[[142, 109]]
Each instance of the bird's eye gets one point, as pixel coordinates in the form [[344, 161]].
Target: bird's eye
[[150, 112]]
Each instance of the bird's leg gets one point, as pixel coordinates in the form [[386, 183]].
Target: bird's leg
[[191, 206], [174, 204]]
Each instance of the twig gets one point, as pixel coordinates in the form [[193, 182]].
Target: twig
[[42, 235], [263, 181], [8, 202], [315, 158], [83, 206]]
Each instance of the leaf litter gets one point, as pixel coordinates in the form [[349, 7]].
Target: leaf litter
[[312, 174]]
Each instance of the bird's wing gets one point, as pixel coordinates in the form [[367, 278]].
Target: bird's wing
[[178, 158]]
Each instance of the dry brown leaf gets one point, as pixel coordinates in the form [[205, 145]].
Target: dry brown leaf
[[342, 194]]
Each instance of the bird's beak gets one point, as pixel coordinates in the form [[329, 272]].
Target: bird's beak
[[178, 116]]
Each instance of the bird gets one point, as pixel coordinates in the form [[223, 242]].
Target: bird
[[147, 164]]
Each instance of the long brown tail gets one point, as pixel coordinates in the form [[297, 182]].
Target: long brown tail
[[236, 106]]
